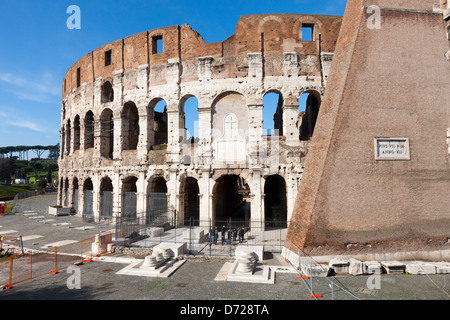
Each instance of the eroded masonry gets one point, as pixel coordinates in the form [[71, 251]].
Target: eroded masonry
[[125, 147]]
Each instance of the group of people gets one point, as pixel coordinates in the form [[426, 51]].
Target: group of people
[[227, 235]]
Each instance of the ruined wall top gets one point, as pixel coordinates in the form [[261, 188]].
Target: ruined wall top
[[271, 34]]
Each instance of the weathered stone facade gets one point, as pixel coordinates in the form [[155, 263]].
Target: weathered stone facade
[[114, 143]]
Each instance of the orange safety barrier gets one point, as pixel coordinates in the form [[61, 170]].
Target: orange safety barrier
[[23, 267], [13, 244], [86, 250]]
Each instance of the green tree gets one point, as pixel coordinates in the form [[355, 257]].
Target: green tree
[[53, 151], [6, 168]]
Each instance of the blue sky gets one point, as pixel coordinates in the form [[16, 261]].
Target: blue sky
[[38, 48]]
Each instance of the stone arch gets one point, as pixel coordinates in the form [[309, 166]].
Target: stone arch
[[157, 122], [130, 126], [106, 198], [68, 136], [229, 200], [75, 194], [107, 133], [107, 92], [275, 202], [129, 197], [308, 113], [190, 201], [270, 40], [266, 19], [273, 111], [89, 129], [157, 200], [189, 117], [88, 191], [309, 21], [76, 133]]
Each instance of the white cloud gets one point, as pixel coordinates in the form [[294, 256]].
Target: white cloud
[[43, 89], [27, 125]]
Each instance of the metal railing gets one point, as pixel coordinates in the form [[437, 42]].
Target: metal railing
[[218, 238], [316, 277]]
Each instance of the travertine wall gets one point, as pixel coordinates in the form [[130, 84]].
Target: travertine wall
[[390, 82], [229, 80]]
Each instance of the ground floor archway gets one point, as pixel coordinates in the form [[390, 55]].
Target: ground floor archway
[[275, 202], [230, 203]]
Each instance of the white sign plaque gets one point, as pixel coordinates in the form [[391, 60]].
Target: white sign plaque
[[392, 149]]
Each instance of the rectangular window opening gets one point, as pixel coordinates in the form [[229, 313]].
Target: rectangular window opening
[[158, 45], [108, 58], [78, 77], [308, 32]]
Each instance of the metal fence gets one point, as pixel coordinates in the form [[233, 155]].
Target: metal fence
[[317, 278], [27, 266], [28, 194], [203, 237]]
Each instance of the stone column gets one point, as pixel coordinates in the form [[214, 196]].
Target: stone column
[[140, 197], [204, 148], [96, 196], [117, 194], [257, 211], [290, 130], [173, 145], [143, 144]]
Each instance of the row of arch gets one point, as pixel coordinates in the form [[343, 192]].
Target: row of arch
[[158, 128], [229, 199]]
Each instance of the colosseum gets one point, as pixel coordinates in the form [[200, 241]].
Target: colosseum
[[162, 125], [126, 151]]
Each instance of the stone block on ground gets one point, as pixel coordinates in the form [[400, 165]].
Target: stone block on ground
[[155, 232], [315, 270], [420, 268], [194, 235], [393, 267], [356, 267], [443, 268], [373, 267], [339, 266]]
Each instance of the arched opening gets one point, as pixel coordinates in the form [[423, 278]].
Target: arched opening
[[68, 136], [275, 202], [76, 133], [89, 130], [88, 189], [107, 134], [63, 141], [189, 118], [130, 126], [106, 198], [273, 114], [230, 201], [75, 195], [309, 105], [107, 92], [157, 208], [157, 127], [66, 192], [129, 190], [160, 125], [189, 125], [61, 191], [191, 202]]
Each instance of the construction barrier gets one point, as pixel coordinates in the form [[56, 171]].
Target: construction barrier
[[11, 244], [15, 269]]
